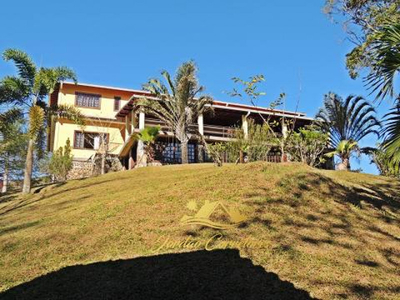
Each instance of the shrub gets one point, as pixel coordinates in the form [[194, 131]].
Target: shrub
[[307, 145], [61, 162]]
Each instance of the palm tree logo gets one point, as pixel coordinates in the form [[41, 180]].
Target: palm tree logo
[[202, 217]]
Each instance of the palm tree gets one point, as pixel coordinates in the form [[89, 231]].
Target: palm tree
[[381, 79], [391, 132], [351, 119], [386, 49], [28, 90], [177, 103], [345, 150], [148, 136]]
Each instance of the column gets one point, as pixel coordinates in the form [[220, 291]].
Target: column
[[245, 127], [200, 122], [141, 157], [127, 133], [200, 146], [133, 119], [284, 129]]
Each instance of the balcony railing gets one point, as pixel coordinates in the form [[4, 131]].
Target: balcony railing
[[209, 130]]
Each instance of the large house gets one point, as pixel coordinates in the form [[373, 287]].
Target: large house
[[110, 114]]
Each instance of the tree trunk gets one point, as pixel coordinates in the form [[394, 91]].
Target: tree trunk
[[5, 176], [184, 152], [241, 157], [200, 153], [103, 163], [26, 188], [344, 165]]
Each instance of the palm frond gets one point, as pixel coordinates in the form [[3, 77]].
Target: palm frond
[[47, 78], [351, 119], [391, 133], [14, 90], [26, 67], [68, 112], [386, 49]]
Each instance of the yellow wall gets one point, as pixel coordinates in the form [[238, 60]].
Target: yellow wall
[[65, 129], [95, 122], [67, 96]]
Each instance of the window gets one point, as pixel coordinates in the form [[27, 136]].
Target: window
[[89, 140], [117, 103], [87, 100], [170, 153]]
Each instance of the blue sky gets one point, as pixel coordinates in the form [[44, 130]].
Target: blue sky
[[124, 43]]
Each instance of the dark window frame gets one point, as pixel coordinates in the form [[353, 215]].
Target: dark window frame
[[87, 132], [117, 101], [87, 94]]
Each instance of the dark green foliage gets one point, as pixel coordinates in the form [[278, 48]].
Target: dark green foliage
[[391, 144], [362, 19], [386, 62]]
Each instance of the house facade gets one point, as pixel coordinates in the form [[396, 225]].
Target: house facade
[[110, 116]]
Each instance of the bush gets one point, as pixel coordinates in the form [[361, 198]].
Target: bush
[[307, 145], [216, 152], [61, 162], [256, 146]]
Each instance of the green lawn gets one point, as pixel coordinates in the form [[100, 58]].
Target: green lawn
[[333, 234]]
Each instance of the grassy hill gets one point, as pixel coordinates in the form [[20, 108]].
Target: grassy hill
[[332, 234]]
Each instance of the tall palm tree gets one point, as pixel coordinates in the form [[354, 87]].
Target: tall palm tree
[[382, 78], [177, 103], [28, 90], [350, 119]]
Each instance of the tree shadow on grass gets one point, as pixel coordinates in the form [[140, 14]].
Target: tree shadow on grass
[[28, 200], [220, 274]]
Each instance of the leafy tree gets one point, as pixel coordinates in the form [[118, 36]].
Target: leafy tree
[[178, 103], [148, 136], [345, 150], [248, 91], [351, 119], [12, 145], [362, 19], [29, 90], [61, 162], [307, 145]]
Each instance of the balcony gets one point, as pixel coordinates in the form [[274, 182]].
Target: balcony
[[213, 132]]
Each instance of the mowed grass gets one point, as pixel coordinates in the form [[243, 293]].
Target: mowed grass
[[334, 234]]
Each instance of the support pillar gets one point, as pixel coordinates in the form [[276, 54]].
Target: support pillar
[[200, 146], [245, 127], [141, 157]]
